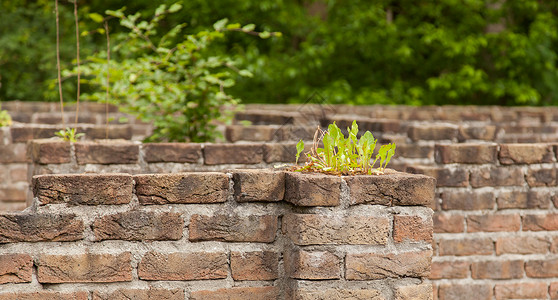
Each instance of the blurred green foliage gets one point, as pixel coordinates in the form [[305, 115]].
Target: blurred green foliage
[[486, 52]]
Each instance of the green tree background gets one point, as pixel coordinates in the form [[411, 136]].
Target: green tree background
[[419, 52]]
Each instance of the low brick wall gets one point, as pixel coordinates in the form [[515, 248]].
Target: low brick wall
[[246, 234]]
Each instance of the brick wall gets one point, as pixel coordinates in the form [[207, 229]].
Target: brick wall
[[245, 234]]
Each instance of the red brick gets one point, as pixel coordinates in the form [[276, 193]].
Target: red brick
[[256, 265], [554, 245], [13, 153], [220, 154], [312, 265], [252, 133], [368, 266], [522, 245], [233, 228], [24, 227], [13, 194], [525, 154], [432, 132], [394, 188], [467, 291], [140, 294], [467, 200], [124, 132], [553, 290], [238, 293], [542, 268], [449, 269], [49, 152], [172, 152], [525, 290], [139, 226], [415, 151], [107, 153], [542, 222], [208, 187], [329, 293], [308, 229], [497, 176], [465, 247], [258, 185], [466, 153], [531, 199], [83, 189], [183, 266], [507, 269], [45, 295], [310, 189], [419, 292], [493, 223], [84, 268], [15, 268], [541, 177], [413, 228], [281, 152], [484, 132], [444, 177], [18, 173], [448, 223]]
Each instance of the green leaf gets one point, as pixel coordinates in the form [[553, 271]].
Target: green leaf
[[245, 73], [96, 17], [248, 27], [220, 25], [175, 7], [299, 149], [265, 35], [233, 26]]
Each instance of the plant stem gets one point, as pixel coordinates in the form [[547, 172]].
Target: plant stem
[[77, 56], [58, 63], [108, 82]]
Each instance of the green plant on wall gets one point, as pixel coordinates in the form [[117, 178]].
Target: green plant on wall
[[5, 118], [346, 156], [174, 81]]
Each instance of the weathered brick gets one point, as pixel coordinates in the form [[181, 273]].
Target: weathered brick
[[309, 229], [45, 295], [468, 246], [87, 267], [253, 133], [432, 132], [493, 223], [444, 177], [183, 266], [107, 153], [554, 245], [255, 265], [523, 290], [553, 290], [415, 151], [140, 294], [207, 187], [139, 226], [83, 189], [394, 188], [40, 228], [466, 153], [258, 185], [13, 194], [233, 228], [413, 228], [544, 222], [281, 152], [368, 266], [507, 269], [541, 177], [220, 154], [496, 176], [49, 152], [414, 292], [542, 268], [238, 293], [522, 245], [525, 154], [531, 199], [15, 268], [18, 173], [312, 265], [97, 132], [449, 269], [467, 200], [23, 134], [310, 189], [467, 291], [448, 223], [325, 293], [468, 133], [172, 152], [13, 153]]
